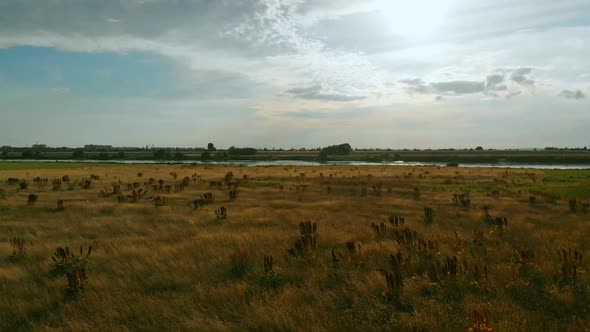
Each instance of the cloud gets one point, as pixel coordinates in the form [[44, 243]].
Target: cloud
[[493, 82], [448, 88], [569, 94], [520, 76], [494, 85], [314, 93], [458, 87]]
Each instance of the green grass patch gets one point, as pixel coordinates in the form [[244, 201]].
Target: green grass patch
[[11, 166]]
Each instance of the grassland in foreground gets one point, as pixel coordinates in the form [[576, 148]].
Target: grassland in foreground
[[229, 248]]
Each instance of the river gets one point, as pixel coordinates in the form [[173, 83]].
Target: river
[[309, 163]]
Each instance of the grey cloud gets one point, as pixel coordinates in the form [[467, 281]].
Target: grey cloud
[[520, 76], [569, 94], [458, 87], [314, 93], [513, 94], [417, 85], [412, 81], [493, 81]]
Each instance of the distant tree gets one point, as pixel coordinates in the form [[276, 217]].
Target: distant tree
[[121, 155], [211, 147], [341, 149], [178, 156], [206, 155], [161, 154], [233, 151], [103, 156], [78, 154], [4, 154], [479, 148]]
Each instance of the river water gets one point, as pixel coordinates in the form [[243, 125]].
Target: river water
[[310, 163]]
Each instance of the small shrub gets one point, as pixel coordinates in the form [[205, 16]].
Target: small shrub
[[60, 205], [23, 185]]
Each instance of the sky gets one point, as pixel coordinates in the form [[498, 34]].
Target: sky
[[295, 73]]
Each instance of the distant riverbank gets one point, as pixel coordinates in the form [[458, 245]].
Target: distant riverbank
[[18, 164]]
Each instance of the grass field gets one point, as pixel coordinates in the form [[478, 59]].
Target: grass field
[[508, 254]]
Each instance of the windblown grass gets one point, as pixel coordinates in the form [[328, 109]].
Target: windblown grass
[[164, 264]]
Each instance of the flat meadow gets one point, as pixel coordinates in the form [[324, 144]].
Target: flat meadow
[[286, 248]]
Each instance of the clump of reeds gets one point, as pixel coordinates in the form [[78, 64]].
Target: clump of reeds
[[74, 267], [428, 216], [40, 180], [461, 199], [521, 261], [570, 261], [307, 240], [352, 248], [60, 205], [109, 191], [417, 193], [32, 199], [394, 279], [239, 263], [18, 247], [133, 197], [86, 184], [221, 213], [270, 278], [396, 220], [23, 185], [160, 201], [380, 230], [233, 195], [56, 184], [478, 238]]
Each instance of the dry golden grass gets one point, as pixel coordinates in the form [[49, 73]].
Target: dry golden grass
[[168, 266]]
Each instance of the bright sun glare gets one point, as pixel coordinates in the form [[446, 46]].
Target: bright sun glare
[[414, 19]]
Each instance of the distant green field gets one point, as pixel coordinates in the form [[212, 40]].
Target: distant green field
[[11, 166]]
